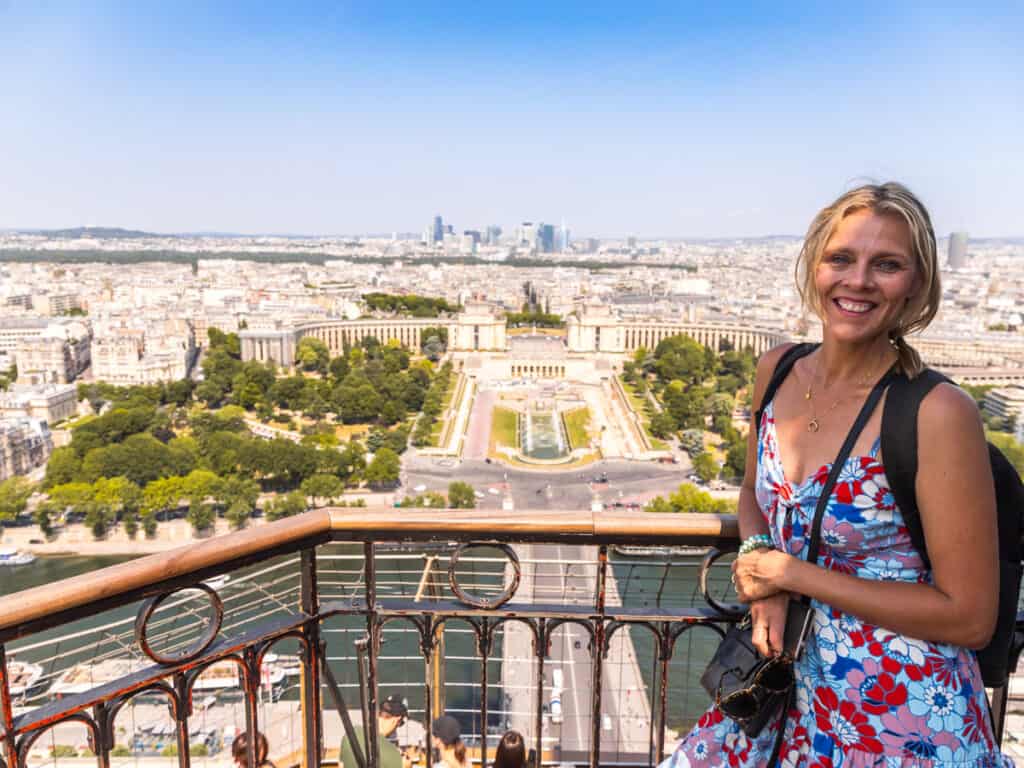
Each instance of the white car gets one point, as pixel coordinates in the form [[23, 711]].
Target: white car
[[494, 492], [478, 494], [420, 488]]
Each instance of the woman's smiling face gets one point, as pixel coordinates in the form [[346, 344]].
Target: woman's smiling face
[[866, 274]]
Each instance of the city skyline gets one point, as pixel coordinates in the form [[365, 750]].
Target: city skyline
[[684, 122]]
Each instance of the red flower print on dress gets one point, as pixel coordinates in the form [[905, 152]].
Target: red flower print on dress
[[712, 717], [843, 722], [976, 724]]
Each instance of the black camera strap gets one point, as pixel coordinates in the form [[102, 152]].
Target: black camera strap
[[819, 515]]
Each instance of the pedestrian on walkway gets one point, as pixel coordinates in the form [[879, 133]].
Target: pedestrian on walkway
[[448, 743], [391, 713], [240, 748], [511, 751]]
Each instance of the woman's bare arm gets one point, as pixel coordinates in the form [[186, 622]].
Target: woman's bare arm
[[768, 616], [957, 505]]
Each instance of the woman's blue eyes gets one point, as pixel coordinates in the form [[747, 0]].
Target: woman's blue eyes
[[840, 259]]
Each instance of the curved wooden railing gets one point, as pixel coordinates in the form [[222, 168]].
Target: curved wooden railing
[[53, 604]]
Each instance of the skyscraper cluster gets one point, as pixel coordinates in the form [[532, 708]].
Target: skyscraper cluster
[[535, 236]]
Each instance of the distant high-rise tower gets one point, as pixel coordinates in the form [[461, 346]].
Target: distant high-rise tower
[[547, 238], [528, 234], [438, 229], [563, 238], [958, 250], [493, 234]]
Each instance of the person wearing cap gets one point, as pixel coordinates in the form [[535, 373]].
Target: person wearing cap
[[390, 715], [448, 743]]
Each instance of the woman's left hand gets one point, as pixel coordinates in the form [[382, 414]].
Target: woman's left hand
[[758, 574]]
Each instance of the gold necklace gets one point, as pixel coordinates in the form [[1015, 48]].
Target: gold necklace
[[813, 424]]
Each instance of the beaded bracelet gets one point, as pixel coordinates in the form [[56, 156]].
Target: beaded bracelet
[[757, 541]]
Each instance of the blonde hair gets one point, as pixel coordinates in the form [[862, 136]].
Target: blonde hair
[[890, 198]]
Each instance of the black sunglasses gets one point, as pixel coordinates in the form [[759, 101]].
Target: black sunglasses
[[775, 675]]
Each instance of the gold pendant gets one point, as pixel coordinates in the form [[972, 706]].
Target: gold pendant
[[812, 425]]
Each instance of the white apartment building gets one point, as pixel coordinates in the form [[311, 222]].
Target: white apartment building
[[52, 304], [25, 444], [58, 355], [14, 329], [1005, 403], [49, 403], [129, 356]]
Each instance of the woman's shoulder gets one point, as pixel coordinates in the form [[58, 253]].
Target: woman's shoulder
[[947, 407], [766, 365]]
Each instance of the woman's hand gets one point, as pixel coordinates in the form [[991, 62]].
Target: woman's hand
[[768, 619], [758, 574]]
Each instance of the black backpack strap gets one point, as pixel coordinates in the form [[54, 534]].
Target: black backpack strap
[[837, 466], [899, 447], [782, 369], [819, 512]]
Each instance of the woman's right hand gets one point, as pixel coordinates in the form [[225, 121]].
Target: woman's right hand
[[768, 619]]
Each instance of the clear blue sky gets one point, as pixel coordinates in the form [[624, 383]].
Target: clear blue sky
[[656, 119]]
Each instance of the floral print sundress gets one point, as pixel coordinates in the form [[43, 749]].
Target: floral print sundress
[[865, 696]]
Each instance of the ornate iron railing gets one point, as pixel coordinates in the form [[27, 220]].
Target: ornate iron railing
[[510, 620]]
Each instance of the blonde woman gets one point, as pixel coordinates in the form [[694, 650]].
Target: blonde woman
[[887, 677]]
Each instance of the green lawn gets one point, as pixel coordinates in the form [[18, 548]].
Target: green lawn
[[504, 427], [642, 406], [576, 422]]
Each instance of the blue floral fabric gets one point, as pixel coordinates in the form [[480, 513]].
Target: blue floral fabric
[[865, 696]]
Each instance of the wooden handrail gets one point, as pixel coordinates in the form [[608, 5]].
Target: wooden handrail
[[126, 581]]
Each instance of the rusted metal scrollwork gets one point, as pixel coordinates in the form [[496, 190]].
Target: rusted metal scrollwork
[[729, 610], [478, 602], [150, 606]]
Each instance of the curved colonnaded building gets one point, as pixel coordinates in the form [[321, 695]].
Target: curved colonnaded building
[[593, 331]]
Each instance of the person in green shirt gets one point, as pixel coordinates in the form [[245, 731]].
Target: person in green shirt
[[390, 714]]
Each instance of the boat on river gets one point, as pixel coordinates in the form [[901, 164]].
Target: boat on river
[[222, 675], [627, 550], [11, 556], [24, 679]]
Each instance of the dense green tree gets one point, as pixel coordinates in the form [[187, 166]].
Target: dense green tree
[[736, 460], [680, 357], [689, 498], [410, 304], [227, 342], [64, 466], [287, 505], [384, 469], [115, 497], [338, 367], [323, 487], [353, 460], [686, 408], [14, 494], [213, 392], [287, 391], [662, 425], [238, 492], [140, 458], [180, 392], [705, 466], [312, 354], [461, 496], [357, 405], [161, 496]]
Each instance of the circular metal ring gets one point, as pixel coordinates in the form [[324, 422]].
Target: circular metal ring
[[729, 610], [149, 607], [478, 602]]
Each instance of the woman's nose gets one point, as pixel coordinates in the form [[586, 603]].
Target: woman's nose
[[860, 275]]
